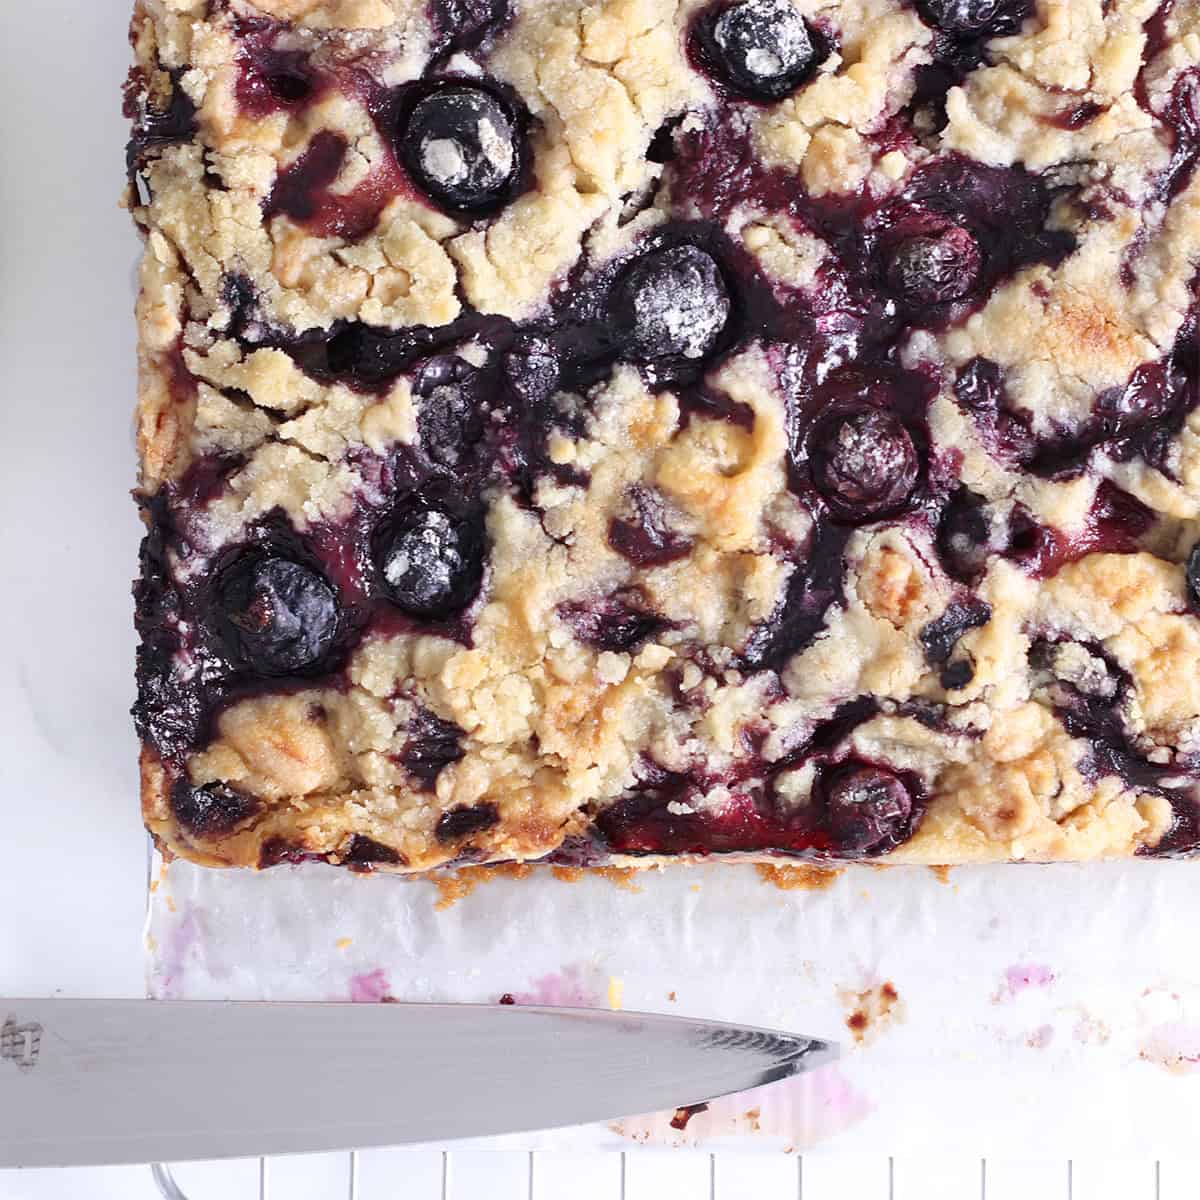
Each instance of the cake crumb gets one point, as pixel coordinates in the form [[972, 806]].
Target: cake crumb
[[623, 877], [616, 994], [344, 943], [872, 1011], [685, 1114], [798, 878], [458, 885]]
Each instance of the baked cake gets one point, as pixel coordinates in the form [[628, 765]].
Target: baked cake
[[630, 430]]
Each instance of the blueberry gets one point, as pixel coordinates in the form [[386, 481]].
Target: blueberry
[[868, 809], [863, 462], [366, 852], [979, 387], [461, 24], [957, 674], [290, 87], [278, 617], [760, 49], [672, 303], [933, 268], [646, 539], [1193, 576], [451, 418], [974, 18], [277, 851], [430, 561], [965, 538], [213, 810], [619, 622], [941, 635], [532, 369], [462, 822], [433, 744], [462, 147]]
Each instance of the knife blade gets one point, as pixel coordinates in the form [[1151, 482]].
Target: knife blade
[[120, 1081]]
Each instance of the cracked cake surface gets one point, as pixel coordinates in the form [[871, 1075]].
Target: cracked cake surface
[[624, 430]]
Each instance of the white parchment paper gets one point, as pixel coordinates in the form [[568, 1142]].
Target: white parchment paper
[[1031, 1010]]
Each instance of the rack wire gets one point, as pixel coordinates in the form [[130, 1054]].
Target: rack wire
[[726, 1176]]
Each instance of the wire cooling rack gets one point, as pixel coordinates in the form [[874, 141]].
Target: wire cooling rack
[[671, 1175]]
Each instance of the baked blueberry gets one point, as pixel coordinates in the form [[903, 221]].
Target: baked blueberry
[[462, 147], [620, 622], [964, 536], [431, 562], [532, 368], [672, 303], [974, 18], [940, 636], [213, 810], [868, 809], [433, 744], [760, 49], [461, 24], [646, 538], [1193, 576], [451, 417], [464, 821], [863, 462], [933, 268], [363, 851], [278, 617]]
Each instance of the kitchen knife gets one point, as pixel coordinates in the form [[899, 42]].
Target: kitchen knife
[[117, 1081]]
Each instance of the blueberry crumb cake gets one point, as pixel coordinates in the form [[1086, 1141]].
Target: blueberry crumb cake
[[630, 430]]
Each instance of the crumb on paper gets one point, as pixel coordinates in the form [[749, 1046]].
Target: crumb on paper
[[872, 1011], [1174, 1046], [798, 878], [1040, 1038], [941, 873], [685, 1114], [454, 886], [171, 906], [151, 943], [154, 885], [1091, 1031], [672, 997], [803, 1111], [507, 998], [1020, 978], [344, 943], [623, 877], [616, 994]]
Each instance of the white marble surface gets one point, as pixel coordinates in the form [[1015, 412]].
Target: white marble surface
[[72, 880]]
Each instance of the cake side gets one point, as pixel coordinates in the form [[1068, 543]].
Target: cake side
[[640, 429]]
